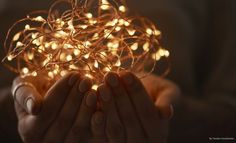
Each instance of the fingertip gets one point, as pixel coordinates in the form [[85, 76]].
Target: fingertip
[[85, 85], [127, 77], [33, 104], [112, 79], [73, 78], [104, 93], [91, 99]]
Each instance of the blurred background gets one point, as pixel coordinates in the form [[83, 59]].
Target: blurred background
[[200, 35]]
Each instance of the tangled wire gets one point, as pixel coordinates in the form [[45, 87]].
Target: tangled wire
[[92, 37]]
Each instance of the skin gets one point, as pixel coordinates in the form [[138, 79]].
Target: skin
[[63, 114], [68, 111], [131, 115]]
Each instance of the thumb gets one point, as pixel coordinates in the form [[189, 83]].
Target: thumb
[[165, 100], [27, 96]]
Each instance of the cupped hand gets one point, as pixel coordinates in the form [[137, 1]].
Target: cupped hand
[[131, 115], [64, 114]]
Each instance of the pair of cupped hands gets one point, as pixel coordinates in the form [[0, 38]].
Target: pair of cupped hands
[[124, 109]]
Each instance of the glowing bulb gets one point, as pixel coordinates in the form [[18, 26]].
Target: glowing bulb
[[69, 58], [87, 44], [131, 31], [76, 52], [39, 18], [67, 46], [118, 28], [146, 46], [118, 63], [10, 57], [92, 21], [54, 46], [95, 87], [121, 21], [63, 73], [89, 75], [27, 27], [106, 69], [34, 73], [34, 35], [50, 74], [87, 56], [156, 56], [122, 8], [19, 44], [105, 7], [16, 37], [25, 70], [47, 45], [149, 31], [30, 56], [89, 15], [167, 53], [83, 26], [55, 71], [134, 46], [70, 25], [95, 36], [126, 23], [105, 2], [157, 32], [63, 57], [96, 64]]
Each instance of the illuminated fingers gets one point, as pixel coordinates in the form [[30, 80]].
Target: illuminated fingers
[[125, 109], [80, 131], [145, 108], [114, 128]]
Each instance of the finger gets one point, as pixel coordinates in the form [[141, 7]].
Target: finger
[[166, 98], [165, 108], [55, 99], [98, 127], [27, 97], [63, 122], [81, 128], [126, 109], [114, 127], [143, 104]]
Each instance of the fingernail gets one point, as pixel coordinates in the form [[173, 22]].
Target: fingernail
[[30, 104], [128, 78], [91, 99], [105, 94], [99, 118], [73, 79], [112, 79], [85, 85]]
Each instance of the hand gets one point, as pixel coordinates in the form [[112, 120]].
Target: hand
[[163, 92], [62, 115], [131, 115]]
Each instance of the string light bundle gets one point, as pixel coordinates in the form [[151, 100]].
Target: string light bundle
[[88, 36]]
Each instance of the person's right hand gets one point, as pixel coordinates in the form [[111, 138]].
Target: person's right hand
[[62, 115]]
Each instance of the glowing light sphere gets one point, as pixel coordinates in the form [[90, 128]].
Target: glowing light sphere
[[92, 37]]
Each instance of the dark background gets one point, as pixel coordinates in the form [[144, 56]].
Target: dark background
[[200, 35]]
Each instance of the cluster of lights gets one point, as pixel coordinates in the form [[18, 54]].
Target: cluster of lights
[[92, 40]]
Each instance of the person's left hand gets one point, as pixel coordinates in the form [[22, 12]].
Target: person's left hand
[[131, 115]]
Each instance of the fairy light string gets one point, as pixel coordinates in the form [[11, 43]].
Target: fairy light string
[[88, 36]]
